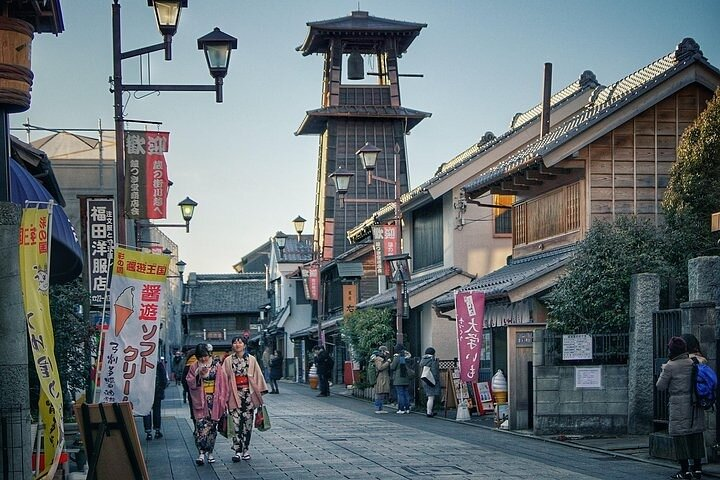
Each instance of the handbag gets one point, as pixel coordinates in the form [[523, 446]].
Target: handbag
[[427, 376], [262, 419], [225, 426]]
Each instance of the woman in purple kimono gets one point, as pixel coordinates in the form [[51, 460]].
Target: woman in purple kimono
[[208, 391]]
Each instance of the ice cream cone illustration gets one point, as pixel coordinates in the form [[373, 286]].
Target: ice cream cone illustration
[[124, 307]]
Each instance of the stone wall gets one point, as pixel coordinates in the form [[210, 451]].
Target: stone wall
[[561, 408]]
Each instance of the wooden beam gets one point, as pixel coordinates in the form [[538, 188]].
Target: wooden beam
[[512, 187], [536, 175], [552, 171]]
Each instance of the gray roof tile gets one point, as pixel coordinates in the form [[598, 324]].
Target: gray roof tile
[[605, 102], [226, 293], [518, 272]]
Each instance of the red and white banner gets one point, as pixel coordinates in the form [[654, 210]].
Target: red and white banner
[[470, 310], [386, 243], [313, 282], [146, 178], [126, 370]]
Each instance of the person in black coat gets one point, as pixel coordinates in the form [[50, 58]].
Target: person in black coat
[[276, 362], [324, 364], [153, 419]]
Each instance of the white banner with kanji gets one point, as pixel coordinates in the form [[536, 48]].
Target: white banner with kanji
[[126, 370]]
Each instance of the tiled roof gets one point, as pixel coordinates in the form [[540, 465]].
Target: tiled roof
[[516, 273], [295, 251], [604, 103], [416, 285], [315, 120], [582, 85], [359, 24], [226, 293]]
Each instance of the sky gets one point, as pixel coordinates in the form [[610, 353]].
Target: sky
[[481, 61]]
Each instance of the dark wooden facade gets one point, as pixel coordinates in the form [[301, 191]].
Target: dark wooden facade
[[354, 114]]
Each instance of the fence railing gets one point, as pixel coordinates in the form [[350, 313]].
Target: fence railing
[[607, 349]]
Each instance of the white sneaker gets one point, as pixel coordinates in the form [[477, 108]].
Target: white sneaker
[[400, 412], [210, 458]]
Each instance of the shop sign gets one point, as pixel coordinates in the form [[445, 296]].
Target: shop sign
[[470, 308], [146, 178], [100, 231]]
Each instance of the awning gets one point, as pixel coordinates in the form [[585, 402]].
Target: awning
[[66, 259]]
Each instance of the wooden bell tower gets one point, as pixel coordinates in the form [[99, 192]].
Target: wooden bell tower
[[355, 112]]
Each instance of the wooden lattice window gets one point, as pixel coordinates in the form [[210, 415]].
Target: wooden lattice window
[[554, 213]]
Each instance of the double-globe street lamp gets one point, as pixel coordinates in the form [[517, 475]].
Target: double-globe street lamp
[[400, 271], [217, 46]]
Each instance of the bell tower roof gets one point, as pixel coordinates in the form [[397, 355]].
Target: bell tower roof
[[359, 31]]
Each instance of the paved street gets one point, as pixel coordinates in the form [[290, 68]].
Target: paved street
[[340, 437]]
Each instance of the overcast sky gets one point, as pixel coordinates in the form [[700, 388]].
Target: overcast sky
[[482, 62]]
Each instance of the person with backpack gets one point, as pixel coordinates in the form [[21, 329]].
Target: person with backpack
[[686, 420], [402, 375], [379, 376], [431, 382]]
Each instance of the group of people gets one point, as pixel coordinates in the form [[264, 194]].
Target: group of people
[[396, 370], [228, 389]]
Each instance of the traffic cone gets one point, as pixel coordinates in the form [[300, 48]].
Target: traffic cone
[[463, 414]]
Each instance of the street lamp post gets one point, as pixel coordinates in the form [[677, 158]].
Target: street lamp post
[[187, 208], [217, 47], [368, 154]]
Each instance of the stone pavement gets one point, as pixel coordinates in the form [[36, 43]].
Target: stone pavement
[[338, 438]]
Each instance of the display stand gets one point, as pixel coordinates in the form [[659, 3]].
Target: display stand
[[483, 398], [449, 396], [111, 441]]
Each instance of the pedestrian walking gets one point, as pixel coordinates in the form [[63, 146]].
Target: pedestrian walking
[[324, 364], [265, 360], [178, 365], [381, 361], [208, 391], [276, 364], [431, 388], [246, 386], [402, 374], [687, 421], [189, 360], [153, 420]]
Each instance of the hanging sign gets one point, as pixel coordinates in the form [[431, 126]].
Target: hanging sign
[[34, 246], [126, 369], [313, 281], [470, 308], [385, 242], [100, 234], [146, 179]]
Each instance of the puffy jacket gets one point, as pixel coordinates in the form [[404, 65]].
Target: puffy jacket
[[395, 367], [676, 377], [382, 365]]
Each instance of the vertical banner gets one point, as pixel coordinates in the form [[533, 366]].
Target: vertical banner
[[314, 282], [35, 280], [130, 345], [328, 239], [470, 310], [146, 179], [385, 242], [100, 233]]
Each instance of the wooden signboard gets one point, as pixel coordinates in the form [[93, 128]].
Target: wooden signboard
[[111, 441]]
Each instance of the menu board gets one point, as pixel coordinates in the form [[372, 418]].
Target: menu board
[[577, 347]]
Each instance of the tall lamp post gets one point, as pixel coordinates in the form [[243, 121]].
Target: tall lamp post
[[368, 154], [187, 209], [217, 47]]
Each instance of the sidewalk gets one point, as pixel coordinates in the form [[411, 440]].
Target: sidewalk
[[634, 447]]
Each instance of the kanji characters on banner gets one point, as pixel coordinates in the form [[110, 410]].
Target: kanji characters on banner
[[470, 310], [126, 370], [386, 243], [100, 234], [146, 179], [34, 246]]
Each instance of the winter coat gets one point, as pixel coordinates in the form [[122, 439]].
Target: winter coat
[[276, 367], [382, 365], [676, 378], [258, 387], [197, 393], [323, 363], [397, 378], [435, 369]]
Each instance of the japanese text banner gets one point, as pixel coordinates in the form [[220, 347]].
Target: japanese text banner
[[146, 178], [470, 310], [130, 345], [35, 280]]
